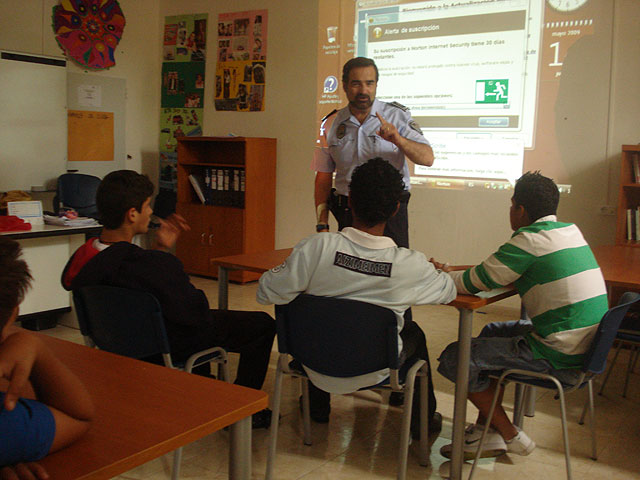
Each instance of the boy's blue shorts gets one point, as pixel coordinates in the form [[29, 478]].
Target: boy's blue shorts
[[499, 347]]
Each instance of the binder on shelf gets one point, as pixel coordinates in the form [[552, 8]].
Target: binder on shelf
[[226, 201], [220, 190], [214, 185], [207, 184], [637, 223], [630, 226], [197, 186], [236, 188], [242, 187]]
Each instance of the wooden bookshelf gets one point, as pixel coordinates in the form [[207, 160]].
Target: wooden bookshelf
[[629, 195], [220, 230]]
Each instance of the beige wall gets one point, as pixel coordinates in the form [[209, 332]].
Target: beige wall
[[289, 114], [457, 226], [28, 29]]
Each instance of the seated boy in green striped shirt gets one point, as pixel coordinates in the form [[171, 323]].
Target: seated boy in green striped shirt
[[563, 292]]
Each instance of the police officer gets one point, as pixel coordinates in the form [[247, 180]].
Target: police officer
[[364, 129]]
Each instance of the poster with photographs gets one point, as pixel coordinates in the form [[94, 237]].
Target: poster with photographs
[[185, 38], [241, 61], [182, 96]]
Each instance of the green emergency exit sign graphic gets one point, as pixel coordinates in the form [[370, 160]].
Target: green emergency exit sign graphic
[[492, 91]]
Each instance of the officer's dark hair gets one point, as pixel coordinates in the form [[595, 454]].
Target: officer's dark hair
[[538, 195], [15, 278], [120, 191], [375, 189], [357, 62]]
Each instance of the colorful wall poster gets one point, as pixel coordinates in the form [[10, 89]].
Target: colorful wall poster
[[241, 61], [182, 96], [185, 38]]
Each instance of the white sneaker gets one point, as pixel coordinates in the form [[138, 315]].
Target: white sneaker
[[521, 444], [494, 444]]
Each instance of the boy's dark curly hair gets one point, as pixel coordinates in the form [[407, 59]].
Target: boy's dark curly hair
[[375, 189], [538, 195]]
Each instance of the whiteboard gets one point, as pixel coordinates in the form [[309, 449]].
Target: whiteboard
[[33, 121]]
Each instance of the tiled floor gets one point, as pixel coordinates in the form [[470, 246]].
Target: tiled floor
[[361, 439]]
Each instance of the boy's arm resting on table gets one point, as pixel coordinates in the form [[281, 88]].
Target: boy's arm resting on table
[[502, 268], [25, 358]]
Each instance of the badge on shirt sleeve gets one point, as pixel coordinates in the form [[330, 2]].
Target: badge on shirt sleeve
[[341, 130], [414, 126]]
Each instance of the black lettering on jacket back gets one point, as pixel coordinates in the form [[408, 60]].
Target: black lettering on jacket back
[[362, 265]]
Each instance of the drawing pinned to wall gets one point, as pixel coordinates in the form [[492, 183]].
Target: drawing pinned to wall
[[241, 61], [88, 32], [182, 96]]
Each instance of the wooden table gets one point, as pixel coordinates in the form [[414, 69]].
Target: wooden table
[[620, 265], [144, 411], [466, 304], [253, 262]]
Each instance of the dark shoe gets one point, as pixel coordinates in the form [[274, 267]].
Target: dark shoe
[[261, 419], [435, 426], [396, 399], [316, 416]]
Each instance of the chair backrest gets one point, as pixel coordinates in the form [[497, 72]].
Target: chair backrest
[[596, 358], [78, 191], [338, 337], [120, 320]]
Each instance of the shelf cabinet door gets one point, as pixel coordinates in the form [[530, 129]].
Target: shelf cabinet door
[[192, 247]]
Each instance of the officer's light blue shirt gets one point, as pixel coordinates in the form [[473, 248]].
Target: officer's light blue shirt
[[345, 144]]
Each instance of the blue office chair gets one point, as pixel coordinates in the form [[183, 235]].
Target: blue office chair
[[130, 323], [77, 191], [344, 338], [594, 363], [628, 335]]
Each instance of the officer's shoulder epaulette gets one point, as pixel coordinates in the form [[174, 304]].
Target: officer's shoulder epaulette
[[328, 115], [400, 106]]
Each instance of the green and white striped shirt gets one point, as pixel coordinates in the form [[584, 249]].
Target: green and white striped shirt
[[560, 283]]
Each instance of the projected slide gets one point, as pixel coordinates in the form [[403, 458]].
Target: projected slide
[[497, 86], [472, 68]]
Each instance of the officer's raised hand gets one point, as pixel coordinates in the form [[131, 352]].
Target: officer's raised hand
[[388, 131]]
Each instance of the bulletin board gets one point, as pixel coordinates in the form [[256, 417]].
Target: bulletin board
[[101, 149]]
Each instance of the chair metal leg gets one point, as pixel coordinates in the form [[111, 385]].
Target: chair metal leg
[[592, 421], [518, 404], [424, 417], [177, 458], [223, 371], [306, 411], [487, 425], [273, 434], [629, 367], [613, 362], [565, 431], [529, 401], [406, 424]]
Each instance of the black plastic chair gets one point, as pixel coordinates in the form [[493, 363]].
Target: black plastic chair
[[628, 335], [594, 363], [130, 323], [344, 338], [77, 191]]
